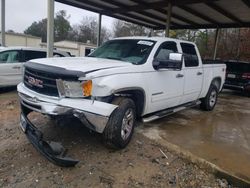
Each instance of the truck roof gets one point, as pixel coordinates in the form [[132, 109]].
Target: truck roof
[[157, 39]]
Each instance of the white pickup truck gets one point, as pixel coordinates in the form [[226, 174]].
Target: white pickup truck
[[123, 80]]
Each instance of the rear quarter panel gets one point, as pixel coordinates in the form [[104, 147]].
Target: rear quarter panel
[[212, 71]]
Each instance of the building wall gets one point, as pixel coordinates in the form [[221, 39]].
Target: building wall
[[13, 39], [75, 48]]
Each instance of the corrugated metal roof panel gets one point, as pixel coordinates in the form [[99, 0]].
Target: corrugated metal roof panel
[[185, 13]]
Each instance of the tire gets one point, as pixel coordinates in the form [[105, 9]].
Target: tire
[[246, 93], [120, 127], [208, 103]]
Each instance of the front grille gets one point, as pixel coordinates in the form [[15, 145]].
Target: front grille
[[44, 82]]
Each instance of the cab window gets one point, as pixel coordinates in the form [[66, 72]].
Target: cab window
[[30, 54], [165, 49], [190, 55], [12, 56]]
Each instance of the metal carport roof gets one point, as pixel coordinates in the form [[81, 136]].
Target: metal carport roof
[[186, 14]]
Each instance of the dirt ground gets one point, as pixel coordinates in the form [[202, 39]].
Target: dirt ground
[[141, 164]]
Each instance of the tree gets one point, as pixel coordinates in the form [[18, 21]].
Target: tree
[[10, 31], [62, 27], [122, 28], [38, 29], [86, 31]]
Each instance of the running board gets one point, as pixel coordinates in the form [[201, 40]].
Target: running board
[[170, 111]]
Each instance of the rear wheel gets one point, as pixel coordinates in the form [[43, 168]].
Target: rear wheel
[[120, 127], [208, 103]]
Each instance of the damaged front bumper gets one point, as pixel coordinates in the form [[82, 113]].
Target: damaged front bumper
[[53, 151], [93, 114]]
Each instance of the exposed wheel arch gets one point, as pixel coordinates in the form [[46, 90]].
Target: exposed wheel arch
[[137, 95], [217, 82]]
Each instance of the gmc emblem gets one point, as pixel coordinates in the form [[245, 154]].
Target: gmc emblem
[[35, 82]]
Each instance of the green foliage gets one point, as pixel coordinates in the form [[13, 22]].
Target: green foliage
[[86, 31], [122, 28], [38, 29], [62, 27]]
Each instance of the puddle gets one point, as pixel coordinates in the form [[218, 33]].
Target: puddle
[[221, 136]]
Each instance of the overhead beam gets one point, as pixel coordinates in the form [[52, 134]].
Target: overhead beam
[[147, 14], [223, 12], [198, 14], [99, 30], [209, 26], [152, 20], [106, 10], [164, 12], [155, 5], [82, 6], [216, 42], [3, 22], [168, 19]]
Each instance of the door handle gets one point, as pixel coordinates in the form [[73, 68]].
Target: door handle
[[199, 73], [16, 67], [179, 75]]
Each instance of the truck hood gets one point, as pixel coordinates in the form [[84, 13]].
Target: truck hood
[[82, 64]]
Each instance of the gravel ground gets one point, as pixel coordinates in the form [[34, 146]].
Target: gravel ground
[[141, 164]]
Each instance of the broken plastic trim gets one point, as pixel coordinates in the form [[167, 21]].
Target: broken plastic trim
[[53, 151]]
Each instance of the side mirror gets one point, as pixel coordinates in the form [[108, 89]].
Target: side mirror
[[174, 62]]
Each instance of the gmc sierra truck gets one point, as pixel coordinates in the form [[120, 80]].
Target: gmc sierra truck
[[125, 79]]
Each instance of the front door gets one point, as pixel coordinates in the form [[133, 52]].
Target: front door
[[166, 86]]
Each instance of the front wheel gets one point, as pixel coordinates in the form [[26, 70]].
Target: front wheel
[[120, 127], [208, 103]]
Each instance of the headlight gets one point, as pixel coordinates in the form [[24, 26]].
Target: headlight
[[74, 89]]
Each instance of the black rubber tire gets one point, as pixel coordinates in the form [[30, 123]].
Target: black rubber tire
[[112, 133], [205, 102], [247, 93]]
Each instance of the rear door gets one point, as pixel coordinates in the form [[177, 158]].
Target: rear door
[[193, 72], [10, 67]]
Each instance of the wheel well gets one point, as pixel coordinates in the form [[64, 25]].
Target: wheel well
[[138, 96], [217, 82]]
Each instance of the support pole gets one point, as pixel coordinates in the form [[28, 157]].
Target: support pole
[[50, 27], [169, 14], [217, 35], [99, 30], [238, 46], [3, 22], [151, 32]]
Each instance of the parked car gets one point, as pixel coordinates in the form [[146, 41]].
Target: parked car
[[12, 60], [124, 79], [238, 76]]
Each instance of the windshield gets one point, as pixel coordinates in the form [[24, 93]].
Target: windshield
[[129, 50]]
